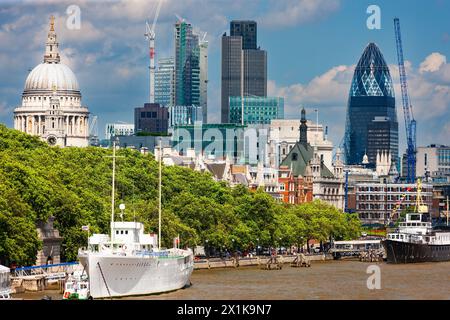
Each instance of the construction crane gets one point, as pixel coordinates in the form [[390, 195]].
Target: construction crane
[[410, 123], [150, 35], [93, 131]]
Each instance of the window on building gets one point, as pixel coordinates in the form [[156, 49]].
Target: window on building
[[294, 156]]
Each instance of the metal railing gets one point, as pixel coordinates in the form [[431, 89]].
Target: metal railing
[[50, 271]]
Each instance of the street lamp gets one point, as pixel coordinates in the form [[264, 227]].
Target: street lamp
[[207, 248], [122, 208], [280, 244], [257, 248], [233, 244]]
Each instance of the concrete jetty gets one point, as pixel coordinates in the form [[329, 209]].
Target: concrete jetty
[[253, 261]]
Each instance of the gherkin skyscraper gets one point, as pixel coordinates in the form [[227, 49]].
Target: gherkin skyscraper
[[371, 124]]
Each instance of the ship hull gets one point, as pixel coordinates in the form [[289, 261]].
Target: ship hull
[[405, 252], [119, 276]]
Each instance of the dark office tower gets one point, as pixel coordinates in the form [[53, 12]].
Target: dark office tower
[[382, 134], [231, 72], [247, 30], [255, 73], [244, 66], [371, 97]]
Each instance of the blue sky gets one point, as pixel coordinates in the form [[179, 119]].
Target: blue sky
[[312, 48]]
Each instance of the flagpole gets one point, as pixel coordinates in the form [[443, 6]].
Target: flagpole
[[447, 210]]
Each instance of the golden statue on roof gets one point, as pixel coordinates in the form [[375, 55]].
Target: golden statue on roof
[[52, 23]]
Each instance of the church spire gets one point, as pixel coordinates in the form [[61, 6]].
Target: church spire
[[51, 46], [303, 128]]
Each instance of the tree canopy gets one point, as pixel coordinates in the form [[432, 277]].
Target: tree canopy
[[74, 186]]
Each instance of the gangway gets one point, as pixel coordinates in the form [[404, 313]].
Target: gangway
[[49, 271]]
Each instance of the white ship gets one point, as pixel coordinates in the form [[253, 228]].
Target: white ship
[[129, 262]]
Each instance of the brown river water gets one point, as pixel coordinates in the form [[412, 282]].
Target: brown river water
[[334, 280]]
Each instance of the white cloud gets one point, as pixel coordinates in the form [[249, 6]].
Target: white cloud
[[328, 89], [294, 12], [433, 62]]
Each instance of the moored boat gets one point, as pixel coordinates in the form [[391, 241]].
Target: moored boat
[[415, 239], [130, 262]]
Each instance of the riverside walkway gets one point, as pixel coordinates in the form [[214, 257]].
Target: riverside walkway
[[253, 261]]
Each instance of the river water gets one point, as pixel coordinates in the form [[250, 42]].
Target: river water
[[343, 279]]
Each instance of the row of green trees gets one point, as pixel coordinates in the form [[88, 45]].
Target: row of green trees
[[74, 186]]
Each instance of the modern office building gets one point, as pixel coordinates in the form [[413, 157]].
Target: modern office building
[[118, 129], [187, 65], [371, 96], [211, 140], [184, 115], [244, 65], [382, 135], [257, 110], [376, 202], [152, 118], [231, 72], [247, 30], [433, 162], [165, 82], [203, 47]]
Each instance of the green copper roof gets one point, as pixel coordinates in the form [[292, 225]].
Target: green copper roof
[[298, 159]]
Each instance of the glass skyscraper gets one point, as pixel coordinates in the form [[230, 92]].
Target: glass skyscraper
[[257, 110], [203, 47], [165, 82], [184, 115], [371, 123], [187, 65], [244, 65], [191, 68]]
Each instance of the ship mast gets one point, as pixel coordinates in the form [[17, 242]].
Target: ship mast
[[159, 200], [112, 193], [420, 206]]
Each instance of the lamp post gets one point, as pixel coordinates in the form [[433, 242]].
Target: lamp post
[[122, 208], [232, 240], [280, 244], [206, 248], [257, 247]]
